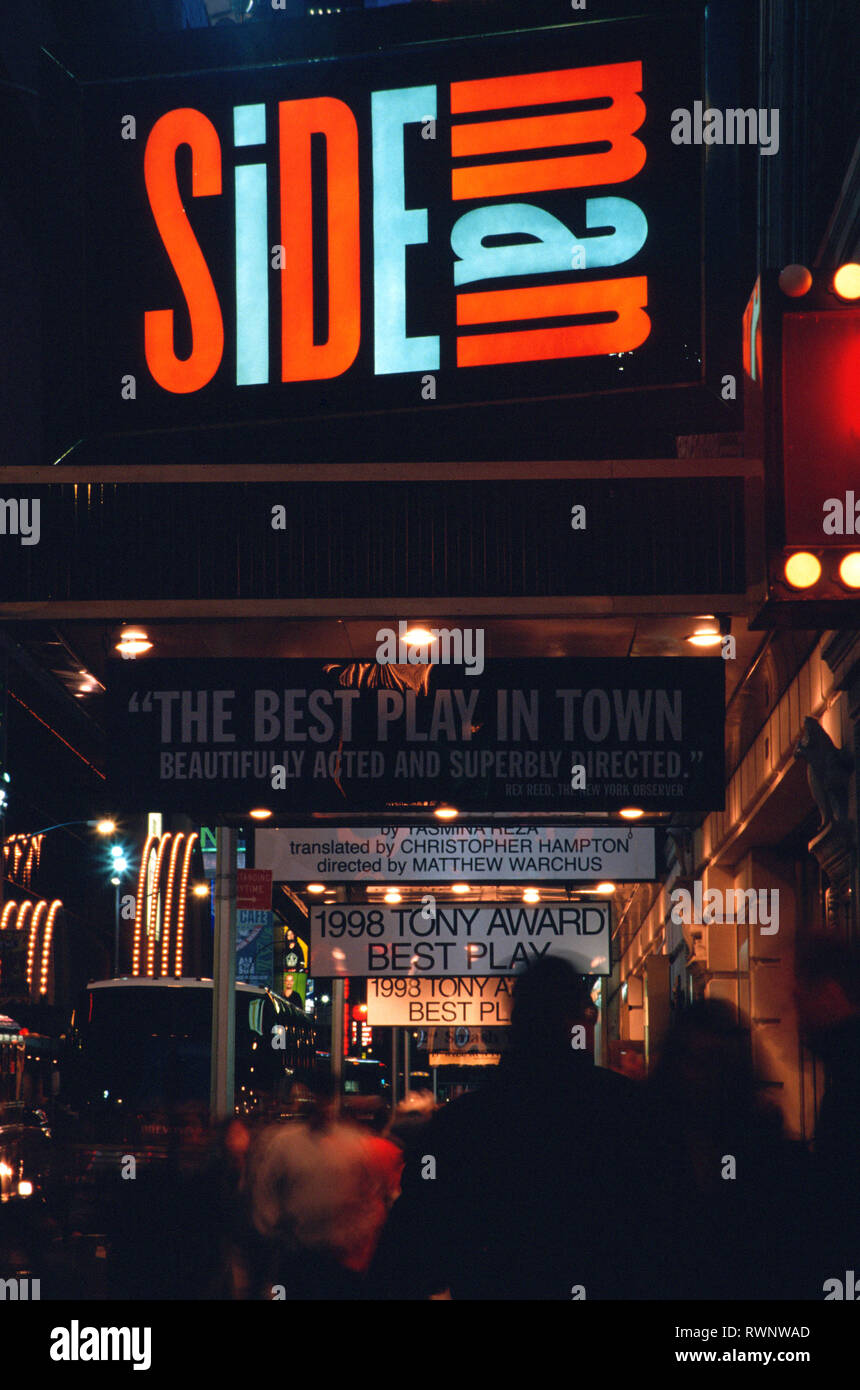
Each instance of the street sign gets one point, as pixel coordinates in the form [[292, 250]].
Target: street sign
[[452, 853], [415, 940], [254, 927], [424, 1003]]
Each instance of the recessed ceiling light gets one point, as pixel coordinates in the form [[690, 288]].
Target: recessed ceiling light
[[133, 642]]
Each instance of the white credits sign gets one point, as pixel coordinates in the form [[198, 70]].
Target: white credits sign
[[458, 999], [477, 854], [453, 939]]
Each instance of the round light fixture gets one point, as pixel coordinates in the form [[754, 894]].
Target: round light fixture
[[446, 813], [460, 888], [846, 281], [260, 813], [418, 636], [316, 888], [802, 569], [531, 895], [795, 281], [631, 813], [849, 570], [392, 896]]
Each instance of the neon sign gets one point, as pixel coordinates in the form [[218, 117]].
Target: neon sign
[[312, 237], [615, 229]]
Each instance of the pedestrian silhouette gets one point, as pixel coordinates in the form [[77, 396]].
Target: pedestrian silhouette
[[528, 1195]]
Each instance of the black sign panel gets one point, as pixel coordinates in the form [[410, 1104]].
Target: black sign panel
[[518, 736], [470, 221]]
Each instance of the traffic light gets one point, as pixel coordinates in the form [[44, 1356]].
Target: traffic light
[[802, 417]]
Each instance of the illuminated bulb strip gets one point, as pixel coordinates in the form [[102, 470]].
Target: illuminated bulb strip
[[140, 903], [46, 944], [6, 914], [20, 922], [153, 906], [168, 903], [180, 913]]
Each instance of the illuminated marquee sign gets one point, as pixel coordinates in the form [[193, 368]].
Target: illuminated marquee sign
[[488, 221]]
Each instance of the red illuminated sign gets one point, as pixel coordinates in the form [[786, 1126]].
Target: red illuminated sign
[[821, 426]]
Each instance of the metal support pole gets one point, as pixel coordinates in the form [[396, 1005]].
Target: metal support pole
[[406, 1041], [394, 1078], [116, 932], [337, 1012], [222, 1072]]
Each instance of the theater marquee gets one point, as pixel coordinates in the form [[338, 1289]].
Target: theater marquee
[[458, 222]]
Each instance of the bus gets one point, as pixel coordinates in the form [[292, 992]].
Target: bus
[[138, 1054]]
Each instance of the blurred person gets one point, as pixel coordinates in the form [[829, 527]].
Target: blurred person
[[521, 1189], [827, 996], [725, 1181], [319, 1192]]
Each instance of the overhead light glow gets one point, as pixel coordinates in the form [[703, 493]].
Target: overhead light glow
[[418, 636], [802, 569], [392, 896], [460, 888], [605, 888], [704, 637], [201, 890], [531, 895], [133, 641], [106, 827], [631, 813], [446, 813], [316, 888], [260, 813]]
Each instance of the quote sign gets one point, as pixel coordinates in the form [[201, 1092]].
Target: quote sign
[[453, 939], [449, 854], [456, 999], [473, 219], [541, 734]]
